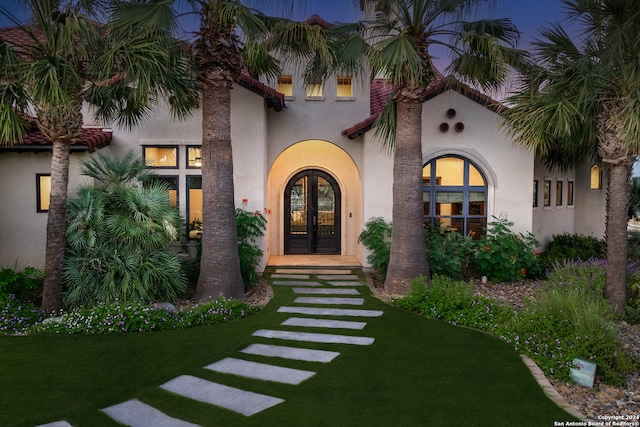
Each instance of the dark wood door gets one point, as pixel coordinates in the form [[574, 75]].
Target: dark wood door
[[312, 214]]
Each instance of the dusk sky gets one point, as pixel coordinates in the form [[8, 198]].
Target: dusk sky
[[526, 14]]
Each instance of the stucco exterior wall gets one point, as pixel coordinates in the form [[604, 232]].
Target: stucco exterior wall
[[590, 204], [23, 230], [507, 168], [553, 219]]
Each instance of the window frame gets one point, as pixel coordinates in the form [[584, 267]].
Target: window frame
[[546, 193], [188, 203], [432, 186], [571, 188], [288, 96], [39, 208], [559, 193], [340, 97], [536, 185], [174, 147], [189, 147]]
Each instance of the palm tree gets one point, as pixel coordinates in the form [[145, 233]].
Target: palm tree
[[402, 52], [580, 102], [65, 57]]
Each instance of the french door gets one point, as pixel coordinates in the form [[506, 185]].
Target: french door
[[312, 214]]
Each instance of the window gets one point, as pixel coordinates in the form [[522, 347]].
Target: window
[[314, 91], [558, 193], [194, 206], [569, 193], [547, 192], [194, 157], [161, 157], [535, 193], [596, 178], [171, 182], [285, 85], [43, 191], [455, 196], [345, 87]]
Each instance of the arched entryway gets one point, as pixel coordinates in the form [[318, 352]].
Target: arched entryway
[[312, 214]]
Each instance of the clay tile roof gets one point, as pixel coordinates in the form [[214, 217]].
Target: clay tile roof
[[317, 20], [380, 92], [272, 97], [90, 140]]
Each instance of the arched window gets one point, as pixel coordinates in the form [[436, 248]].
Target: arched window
[[455, 194]]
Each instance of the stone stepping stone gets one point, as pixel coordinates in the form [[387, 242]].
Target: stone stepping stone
[[338, 277], [295, 283], [293, 353], [290, 276], [323, 323], [313, 337], [241, 401], [134, 413], [260, 371], [325, 291], [319, 311], [308, 271], [329, 301], [56, 424], [340, 283]]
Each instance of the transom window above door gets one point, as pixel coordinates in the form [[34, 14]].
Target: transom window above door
[[455, 196]]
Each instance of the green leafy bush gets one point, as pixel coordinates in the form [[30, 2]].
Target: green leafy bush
[[117, 236], [250, 226], [504, 256], [116, 317], [567, 320], [377, 238], [22, 283], [572, 247], [448, 252]]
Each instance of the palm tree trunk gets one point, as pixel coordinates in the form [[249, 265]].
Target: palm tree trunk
[[56, 227], [408, 258], [220, 263], [616, 234]]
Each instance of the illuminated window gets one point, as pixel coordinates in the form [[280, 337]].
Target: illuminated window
[[285, 85], [43, 191], [314, 91], [455, 196], [171, 183], [345, 87], [569, 193], [547, 192], [161, 157], [535, 193], [558, 193], [194, 157], [194, 206], [596, 178]]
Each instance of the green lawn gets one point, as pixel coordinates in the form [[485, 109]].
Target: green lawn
[[419, 372]]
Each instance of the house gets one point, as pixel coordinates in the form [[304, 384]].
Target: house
[[308, 155]]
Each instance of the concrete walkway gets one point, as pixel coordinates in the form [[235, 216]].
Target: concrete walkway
[[340, 288]]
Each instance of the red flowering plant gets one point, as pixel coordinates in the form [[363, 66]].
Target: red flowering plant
[[504, 256]]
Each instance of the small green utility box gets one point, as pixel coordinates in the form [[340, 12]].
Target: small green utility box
[[583, 372]]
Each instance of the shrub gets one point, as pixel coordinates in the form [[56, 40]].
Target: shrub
[[567, 320], [250, 226], [22, 283], [504, 256], [377, 238], [572, 247], [447, 252], [634, 246], [117, 236], [134, 317]]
